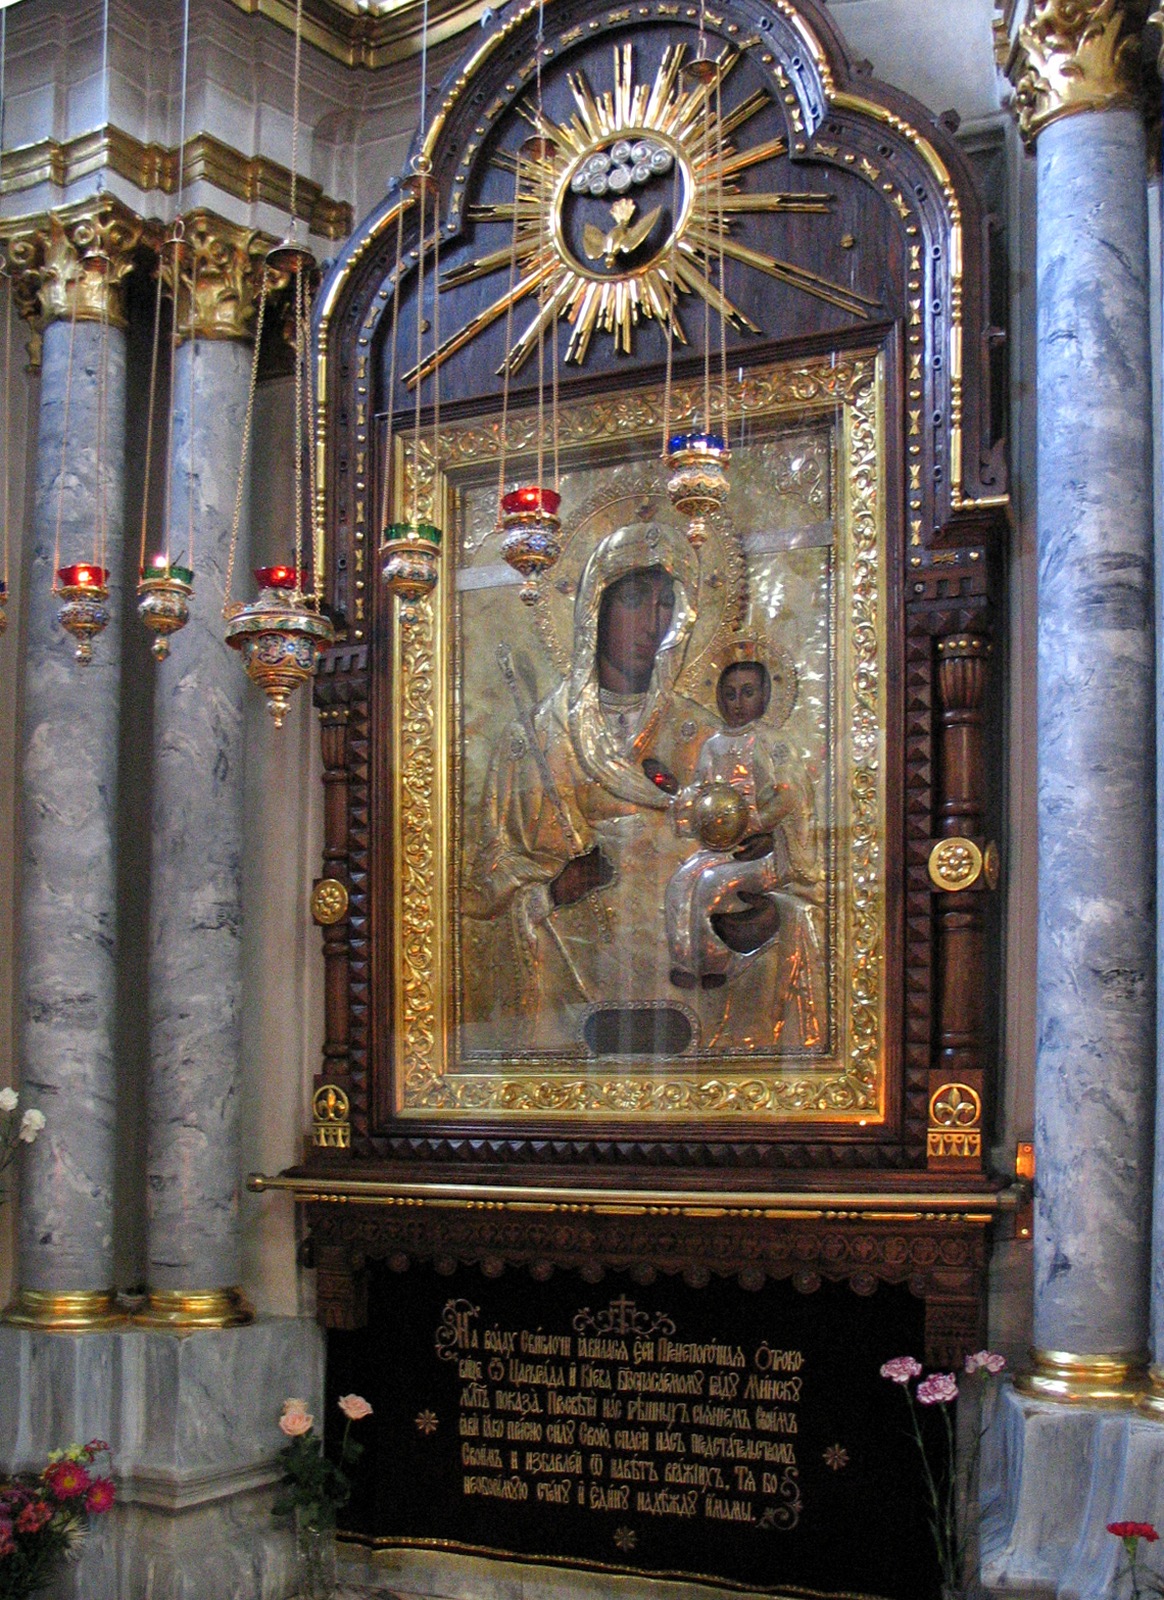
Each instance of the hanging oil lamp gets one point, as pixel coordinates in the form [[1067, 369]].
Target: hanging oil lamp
[[528, 516], [279, 637], [166, 587], [164, 601], [282, 633], [84, 588], [410, 558], [410, 549], [697, 459], [698, 482]]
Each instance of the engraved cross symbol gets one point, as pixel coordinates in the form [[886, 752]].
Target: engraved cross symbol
[[624, 1309]]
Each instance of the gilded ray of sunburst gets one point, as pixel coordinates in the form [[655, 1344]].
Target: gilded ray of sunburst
[[670, 114]]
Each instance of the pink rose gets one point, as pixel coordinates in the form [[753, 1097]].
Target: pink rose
[[296, 1419], [901, 1369], [354, 1407], [986, 1361], [937, 1389]]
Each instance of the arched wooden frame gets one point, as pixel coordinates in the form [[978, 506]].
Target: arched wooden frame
[[903, 181]]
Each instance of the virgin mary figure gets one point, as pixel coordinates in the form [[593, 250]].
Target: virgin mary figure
[[576, 843]]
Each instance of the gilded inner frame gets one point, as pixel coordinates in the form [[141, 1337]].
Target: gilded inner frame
[[509, 758]]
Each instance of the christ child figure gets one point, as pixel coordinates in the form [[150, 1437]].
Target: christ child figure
[[737, 805]]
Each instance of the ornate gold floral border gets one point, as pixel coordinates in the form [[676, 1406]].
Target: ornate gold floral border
[[850, 1088]]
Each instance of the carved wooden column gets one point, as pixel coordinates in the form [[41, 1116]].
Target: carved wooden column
[[963, 868], [333, 910], [331, 1100]]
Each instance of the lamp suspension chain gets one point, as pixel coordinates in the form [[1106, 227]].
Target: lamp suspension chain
[[529, 515], [282, 634], [165, 587], [410, 550], [697, 459]]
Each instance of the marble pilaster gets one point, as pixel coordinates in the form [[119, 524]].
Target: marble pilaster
[[70, 720], [196, 902], [1096, 951]]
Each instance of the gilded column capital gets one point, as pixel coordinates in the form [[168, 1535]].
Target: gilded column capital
[[1156, 20], [75, 262], [220, 277], [1077, 55]]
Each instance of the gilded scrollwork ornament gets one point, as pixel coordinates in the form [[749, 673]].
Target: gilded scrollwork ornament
[[1077, 55]]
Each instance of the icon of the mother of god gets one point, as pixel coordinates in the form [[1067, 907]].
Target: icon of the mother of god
[[577, 844]]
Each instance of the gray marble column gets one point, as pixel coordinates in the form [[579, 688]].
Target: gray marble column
[[196, 890], [68, 864], [1096, 950]]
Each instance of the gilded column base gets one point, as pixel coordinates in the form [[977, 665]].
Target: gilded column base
[[195, 1308], [63, 1311], [1152, 1402], [1090, 1380]]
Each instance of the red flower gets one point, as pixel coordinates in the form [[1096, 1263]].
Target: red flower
[[33, 1517], [1134, 1530], [7, 1542], [100, 1496], [66, 1479]]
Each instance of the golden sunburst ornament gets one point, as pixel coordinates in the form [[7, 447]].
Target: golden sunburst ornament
[[636, 217]]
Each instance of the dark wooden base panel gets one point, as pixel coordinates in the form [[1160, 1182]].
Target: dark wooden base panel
[[941, 1259], [654, 1422]]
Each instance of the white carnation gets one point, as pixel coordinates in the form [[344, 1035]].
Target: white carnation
[[31, 1124], [8, 1099]]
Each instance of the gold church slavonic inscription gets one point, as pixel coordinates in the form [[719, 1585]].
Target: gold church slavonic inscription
[[621, 1415]]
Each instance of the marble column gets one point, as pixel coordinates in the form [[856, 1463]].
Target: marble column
[[70, 275], [1095, 1066], [1153, 1402], [196, 890]]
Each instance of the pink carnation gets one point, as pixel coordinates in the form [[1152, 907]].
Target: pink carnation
[[901, 1369], [66, 1479], [986, 1361], [354, 1407], [101, 1496], [937, 1389]]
